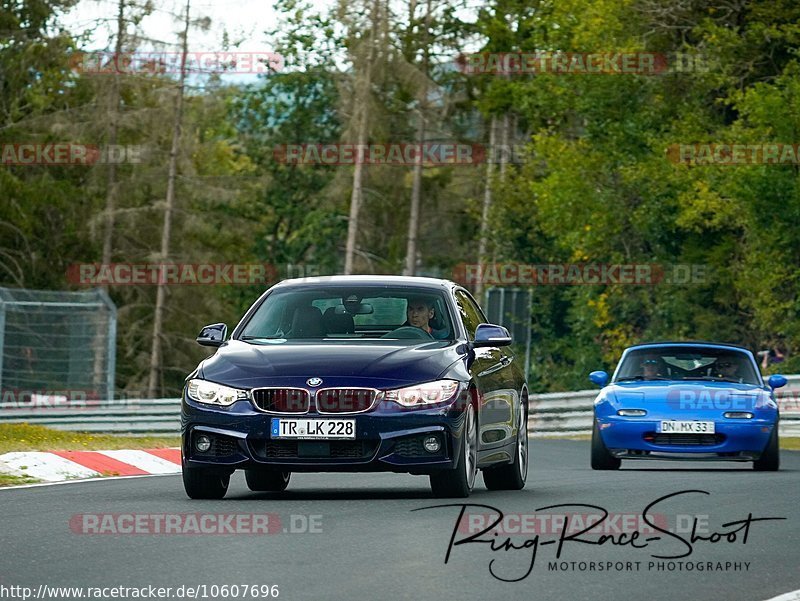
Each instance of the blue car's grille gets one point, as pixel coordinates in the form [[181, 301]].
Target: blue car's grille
[[684, 439], [344, 400], [281, 400]]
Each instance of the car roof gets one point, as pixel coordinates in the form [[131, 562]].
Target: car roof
[[697, 343], [368, 280]]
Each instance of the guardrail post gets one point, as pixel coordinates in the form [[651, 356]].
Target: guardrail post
[[2, 339], [112, 343], [528, 338]]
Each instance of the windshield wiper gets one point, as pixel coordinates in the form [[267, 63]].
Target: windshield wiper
[[712, 379], [637, 378], [272, 337]]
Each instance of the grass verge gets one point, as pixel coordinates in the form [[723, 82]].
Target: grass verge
[[790, 444], [9, 480], [25, 437]]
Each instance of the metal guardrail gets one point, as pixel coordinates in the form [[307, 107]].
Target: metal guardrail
[[159, 417], [554, 414]]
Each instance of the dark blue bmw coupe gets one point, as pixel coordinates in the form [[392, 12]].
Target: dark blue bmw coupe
[[686, 401], [357, 373]]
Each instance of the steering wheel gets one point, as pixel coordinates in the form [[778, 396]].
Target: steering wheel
[[408, 332]]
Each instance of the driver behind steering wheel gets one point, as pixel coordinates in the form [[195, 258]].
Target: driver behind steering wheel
[[419, 313]]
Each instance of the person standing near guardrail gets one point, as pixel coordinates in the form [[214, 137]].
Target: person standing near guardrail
[[773, 355]]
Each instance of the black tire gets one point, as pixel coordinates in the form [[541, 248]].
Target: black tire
[[512, 476], [264, 481], [770, 460], [601, 458], [458, 483], [204, 483]]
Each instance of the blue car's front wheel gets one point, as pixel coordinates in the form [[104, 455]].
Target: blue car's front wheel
[[770, 459], [601, 458]]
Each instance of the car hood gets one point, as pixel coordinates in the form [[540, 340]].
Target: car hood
[[375, 364], [689, 398]]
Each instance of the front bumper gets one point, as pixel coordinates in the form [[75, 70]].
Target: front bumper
[[734, 440], [386, 439]]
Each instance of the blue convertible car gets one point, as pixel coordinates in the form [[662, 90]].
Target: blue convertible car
[[686, 401], [361, 373]]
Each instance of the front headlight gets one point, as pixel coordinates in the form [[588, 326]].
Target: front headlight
[[210, 393], [429, 393], [631, 412]]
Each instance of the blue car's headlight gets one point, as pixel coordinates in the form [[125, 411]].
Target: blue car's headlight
[[430, 393], [211, 393]]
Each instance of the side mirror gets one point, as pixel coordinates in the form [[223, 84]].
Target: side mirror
[[777, 381], [213, 335], [487, 334], [599, 377]]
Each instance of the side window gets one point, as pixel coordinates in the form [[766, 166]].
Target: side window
[[469, 312], [270, 319]]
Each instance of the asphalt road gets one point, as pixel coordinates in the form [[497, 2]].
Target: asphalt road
[[356, 536]]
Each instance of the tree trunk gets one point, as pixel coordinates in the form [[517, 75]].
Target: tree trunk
[[416, 186], [413, 219], [111, 181], [508, 124], [487, 204], [100, 341], [154, 383], [361, 106], [506, 148]]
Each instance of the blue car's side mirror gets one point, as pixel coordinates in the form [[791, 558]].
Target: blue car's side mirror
[[599, 377], [776, 381]]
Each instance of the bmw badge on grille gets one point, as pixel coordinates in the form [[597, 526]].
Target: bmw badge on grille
[[314, 381]]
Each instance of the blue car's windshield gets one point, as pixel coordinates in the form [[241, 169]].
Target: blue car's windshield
[[350, 312], [687, 363]]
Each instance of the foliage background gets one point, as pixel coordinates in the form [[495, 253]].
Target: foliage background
[[594, 184]]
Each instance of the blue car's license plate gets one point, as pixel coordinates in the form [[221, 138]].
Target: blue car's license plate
[[686, 427]]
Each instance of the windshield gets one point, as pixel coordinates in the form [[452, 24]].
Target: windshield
[[352, 313], [687, 363]]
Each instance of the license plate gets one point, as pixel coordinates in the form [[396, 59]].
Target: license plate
[[313, 429], [678, 427]]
